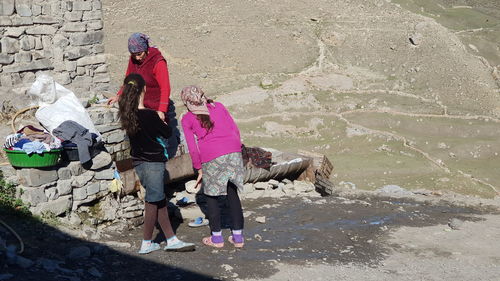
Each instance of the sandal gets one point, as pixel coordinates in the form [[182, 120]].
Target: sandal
[[208, 242], [199, 221], [237, 241]]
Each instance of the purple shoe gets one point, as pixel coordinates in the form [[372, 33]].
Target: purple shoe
[[237, 240], [214, 241]]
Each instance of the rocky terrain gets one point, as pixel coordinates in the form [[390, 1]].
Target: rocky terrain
[[394, 92]]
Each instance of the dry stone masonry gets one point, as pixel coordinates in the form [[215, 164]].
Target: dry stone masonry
[[69, 189], [61, 37]]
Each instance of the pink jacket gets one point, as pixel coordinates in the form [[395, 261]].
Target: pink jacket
[[223, 139]]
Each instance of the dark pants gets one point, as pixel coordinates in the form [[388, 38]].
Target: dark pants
[[235, 210]]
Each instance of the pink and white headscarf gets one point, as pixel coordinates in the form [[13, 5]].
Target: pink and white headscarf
[[195, 100]]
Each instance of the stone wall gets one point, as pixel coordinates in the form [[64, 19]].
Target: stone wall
[[68, 188], [107, 123], [61, 37]]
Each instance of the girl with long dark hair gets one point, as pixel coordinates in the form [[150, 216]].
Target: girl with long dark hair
[[147, 133]]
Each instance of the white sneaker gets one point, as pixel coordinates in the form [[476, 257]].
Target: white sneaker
[[180, 246], [147, 248]]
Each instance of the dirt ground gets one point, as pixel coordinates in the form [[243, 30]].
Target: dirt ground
[[358, 237]]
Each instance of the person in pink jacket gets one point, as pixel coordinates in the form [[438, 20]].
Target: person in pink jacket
[[214, 143]]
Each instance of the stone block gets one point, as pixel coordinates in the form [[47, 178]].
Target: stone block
[[64, 173], [28, 78], [37, 177], [16, 78], [96, 5], [93, 188], [47, 54], [64, 187], [6, 80], [6, 59], [261, 185], [60, 41], [79, 193], [82, 6], [105, 185], [73, 16], [38, 43], [27, 43], [36, 10], [101, 69], [92, 15], [62, 78], [36, 55], [56, 7], [56, 207], [51, 193], [33, 195], [14, 31], [76, 168], [74, 27], [98, 48], [76, 52], [107, 174], [82, 179], [101, 160], [114, 137], [70, 66], [47, 42], [80, 70], [23, 8], [20, 21], [69, 6], [88, 38], [45, 20], [117, 147], [58, 55], [110, 149], [102, 78], [95, 25], [22, 57], [89, 71], [101, 87], [46, 9], [90, 60], [9, 45], [42, 64], [41, 30], [7, 7], [5, 21]]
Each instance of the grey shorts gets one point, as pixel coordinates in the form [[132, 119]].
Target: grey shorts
[[151, 175]]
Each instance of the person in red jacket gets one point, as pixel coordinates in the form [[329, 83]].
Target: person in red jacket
[[152, 66], [148, 62]]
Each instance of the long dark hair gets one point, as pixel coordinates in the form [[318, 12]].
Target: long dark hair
[[133, 85], [205, 120]]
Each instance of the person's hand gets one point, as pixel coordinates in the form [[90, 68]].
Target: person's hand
[[198, 180], [161, 114], [112, 100]]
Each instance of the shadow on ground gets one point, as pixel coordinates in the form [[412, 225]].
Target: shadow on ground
[[56, 255]]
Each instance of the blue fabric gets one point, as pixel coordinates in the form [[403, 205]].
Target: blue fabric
[[21, 143], [33, 147], [151, 175]]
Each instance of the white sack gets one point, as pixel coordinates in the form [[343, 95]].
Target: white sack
[[58, 104]]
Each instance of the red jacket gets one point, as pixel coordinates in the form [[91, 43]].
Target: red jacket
[[154, 70]]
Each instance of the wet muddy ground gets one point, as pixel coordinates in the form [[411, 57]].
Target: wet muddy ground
[[297, 231]]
